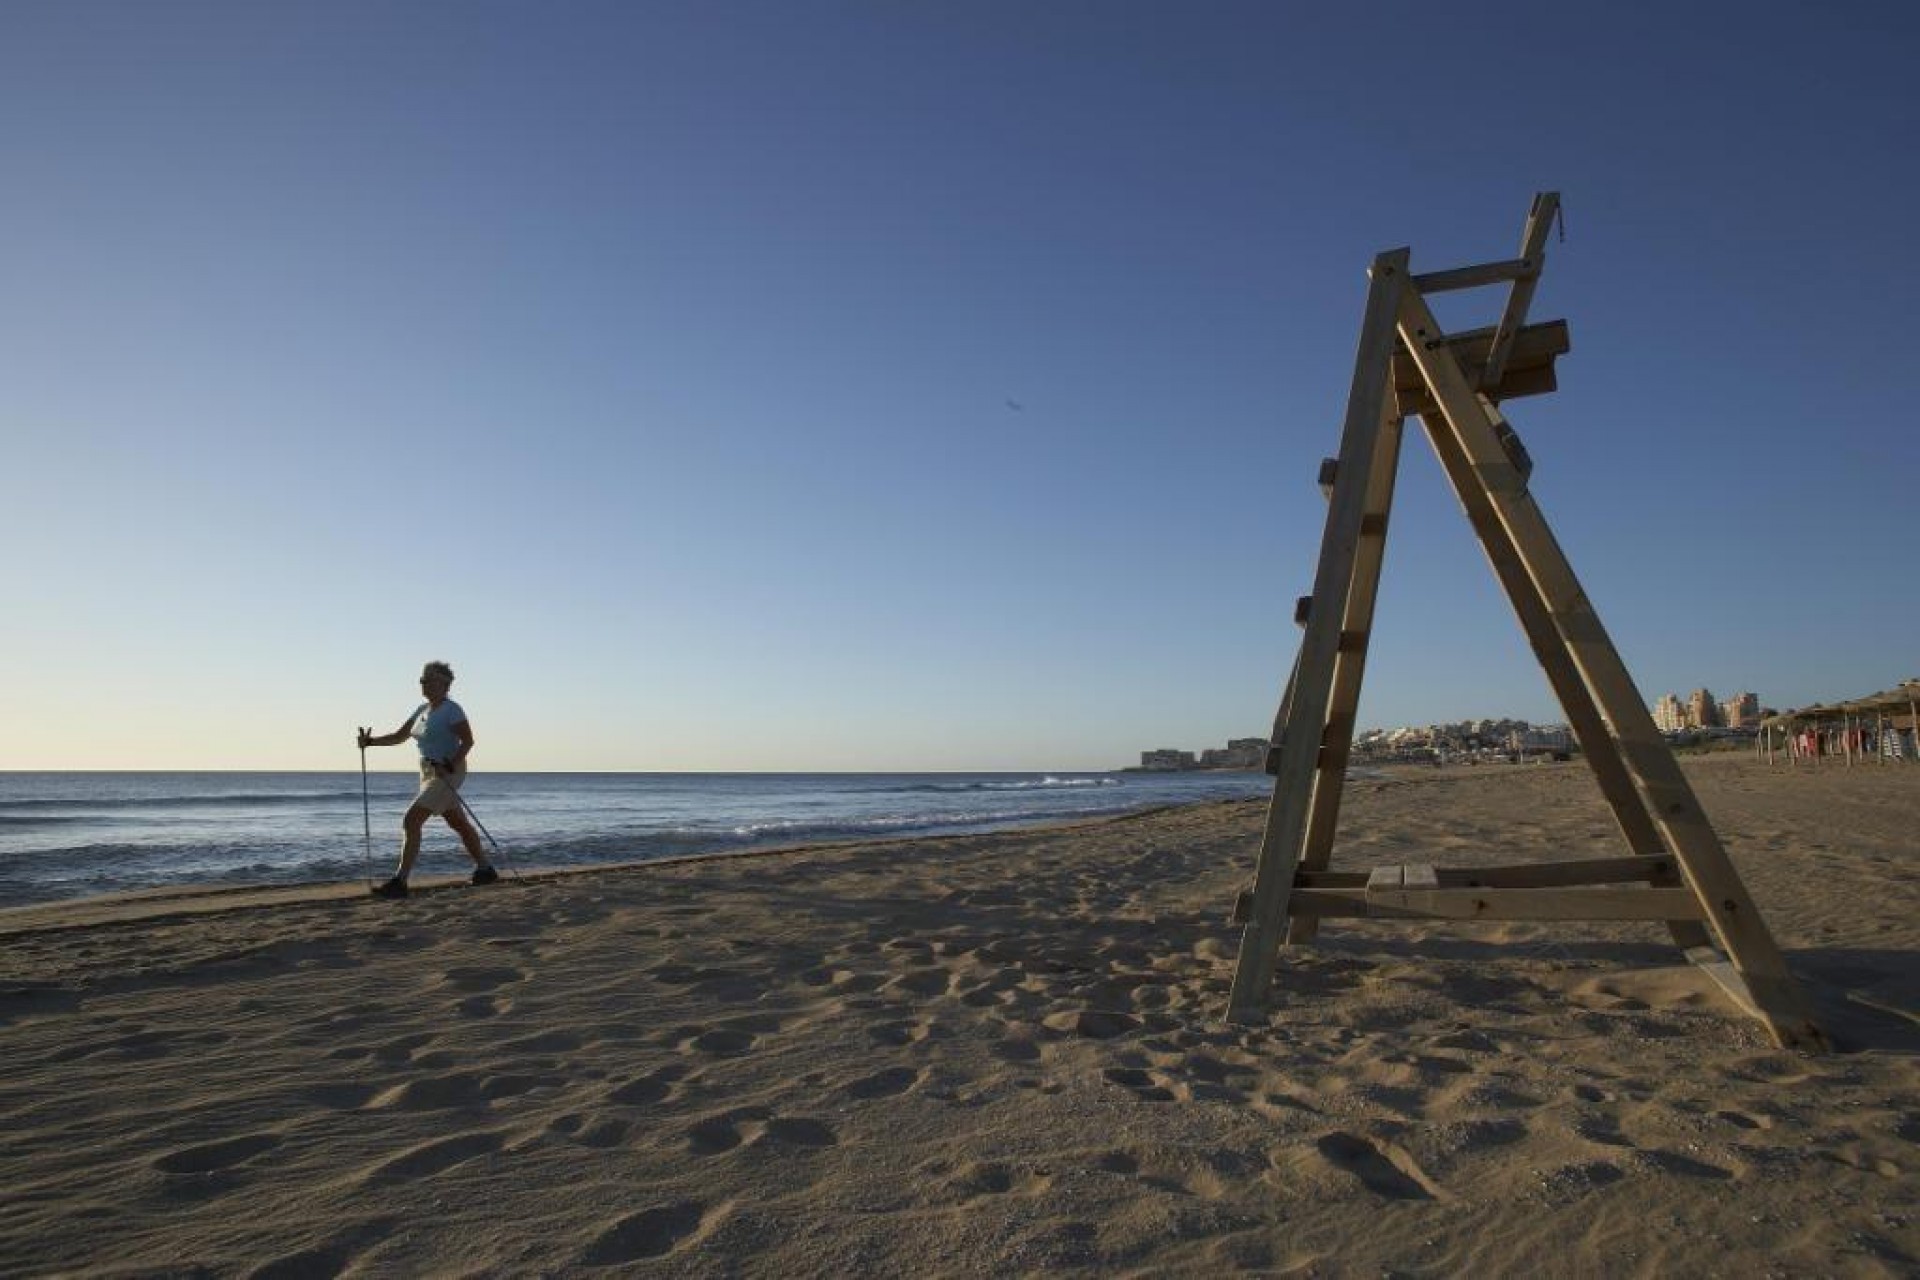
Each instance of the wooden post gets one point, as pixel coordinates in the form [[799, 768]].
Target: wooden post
[[1304, 734], [1729, 908], [1356, 628], [1533, 249]]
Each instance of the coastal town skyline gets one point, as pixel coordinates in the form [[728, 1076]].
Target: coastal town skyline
[[1671, 714]]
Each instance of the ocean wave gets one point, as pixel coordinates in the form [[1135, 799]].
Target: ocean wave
[[83, 805], [1008, 784]]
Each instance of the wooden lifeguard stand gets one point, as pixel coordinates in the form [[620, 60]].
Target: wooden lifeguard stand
[[1676, 870]]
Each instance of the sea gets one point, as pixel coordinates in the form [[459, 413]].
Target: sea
[[72, 835]]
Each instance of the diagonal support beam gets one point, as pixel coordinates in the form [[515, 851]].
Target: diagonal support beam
[[1350, 664], [1300, 739], [1597, 744], [1477, 428]]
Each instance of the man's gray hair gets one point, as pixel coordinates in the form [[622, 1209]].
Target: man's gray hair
[[440, 669]]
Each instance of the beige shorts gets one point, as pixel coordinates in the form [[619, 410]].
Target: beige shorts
[[440, 794]]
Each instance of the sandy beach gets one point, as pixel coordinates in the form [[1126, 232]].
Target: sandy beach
[[980, 1055]]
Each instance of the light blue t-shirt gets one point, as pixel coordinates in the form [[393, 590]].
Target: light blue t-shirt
[[433, 729]]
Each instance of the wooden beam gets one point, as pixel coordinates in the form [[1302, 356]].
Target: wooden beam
[[1534, 346], [1497, 904], [1343, 703], [1302, 734], [1524, 875], [1474, 277], [1517, 385], [1475, 425], [1726, 977], [1598, 746], [1533, 246]]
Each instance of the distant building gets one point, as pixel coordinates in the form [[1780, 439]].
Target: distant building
[[1741, 711], [1702, 711], [1669, 715], [1239, 753], [1549, 739], [1166, 759]]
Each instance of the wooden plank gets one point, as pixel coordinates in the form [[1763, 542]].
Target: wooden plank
[[1383, 880], [1537, 346], [1526, 875], [1301, 737], [1533, 246], [1486, 273], [1730, 909], [1598, 746], [1418, 875], [1323, 814], [1498, 904], [1516, 385]]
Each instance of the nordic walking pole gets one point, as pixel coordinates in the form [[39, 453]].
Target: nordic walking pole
[[366, 811], [488, 834]]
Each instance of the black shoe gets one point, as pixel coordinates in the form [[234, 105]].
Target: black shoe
[[485, 874], [394, 888]]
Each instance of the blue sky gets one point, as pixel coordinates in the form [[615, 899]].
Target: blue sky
[[864, 385]]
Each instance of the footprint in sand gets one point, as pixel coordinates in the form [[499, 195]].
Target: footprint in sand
[[900, 1033], [1144, 1085], [885, 1084], [339, 1096], [757, 1127], [653, 1233], [494, 1088], [655, 1086], [333, 1258], [480, 977], [1686, 1166], [1014, 1049], [1606, 1132], [994, 1178], [430, 1158], [602, 1133], [722, 1042], [921, 983], [544, 1042], [401, 1050], [1094, 1024], [209, 1156], [433, 1093], [1381, 1168]]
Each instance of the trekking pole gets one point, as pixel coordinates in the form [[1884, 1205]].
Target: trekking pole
[[501, 853], [366, 810]]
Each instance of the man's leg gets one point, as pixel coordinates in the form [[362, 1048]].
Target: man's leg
[[411, 825], [457, 819]]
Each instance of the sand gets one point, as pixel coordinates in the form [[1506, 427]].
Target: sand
[[988, 1055]]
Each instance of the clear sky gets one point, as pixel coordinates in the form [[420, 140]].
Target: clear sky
[[812, 385]]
